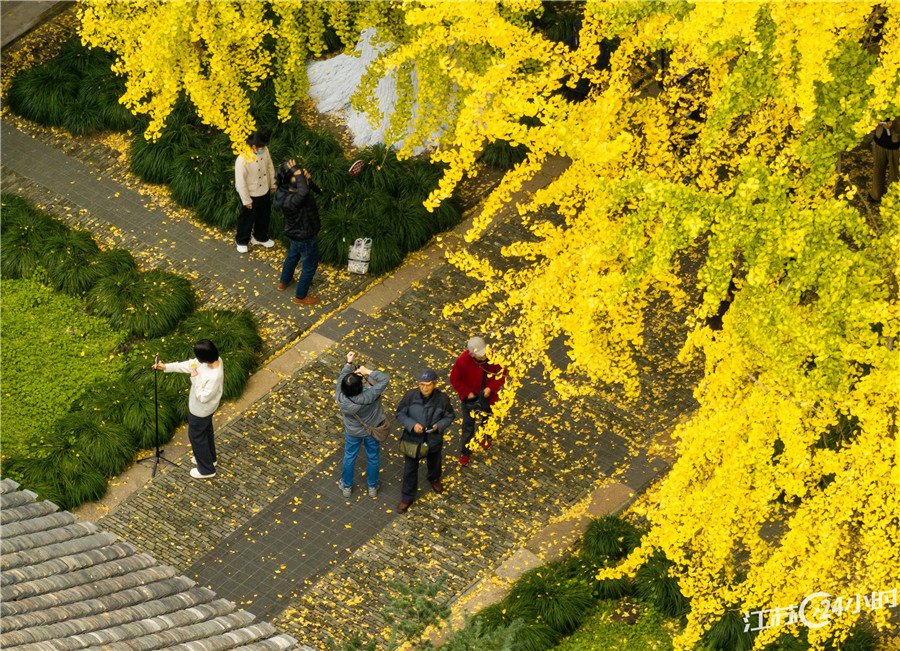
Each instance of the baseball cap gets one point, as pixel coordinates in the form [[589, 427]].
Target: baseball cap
[[427, 375], [477, 346]]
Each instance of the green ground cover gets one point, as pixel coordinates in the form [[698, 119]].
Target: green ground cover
[[52, 349], [73, 414], [605, 629]]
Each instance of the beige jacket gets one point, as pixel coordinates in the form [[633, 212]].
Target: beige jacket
[[254, 178]]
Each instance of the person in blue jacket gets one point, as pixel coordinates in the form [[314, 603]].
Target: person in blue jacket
[[358, 395]]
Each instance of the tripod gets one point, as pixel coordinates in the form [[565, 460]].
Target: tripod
[[159, 453]]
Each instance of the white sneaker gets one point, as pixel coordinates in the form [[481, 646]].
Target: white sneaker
[[373, 491], [345, 491], [242, 248], [194, 461], [195, 473], [268, 243]]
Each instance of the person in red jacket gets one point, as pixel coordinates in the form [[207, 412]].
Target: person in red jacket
[[477, 382]]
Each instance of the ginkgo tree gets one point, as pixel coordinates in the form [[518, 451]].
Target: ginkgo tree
[[716, 130]]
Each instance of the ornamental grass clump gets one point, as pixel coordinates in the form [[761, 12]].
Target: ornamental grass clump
[[237, 338], [106, 445], [76, 90], [609, 538], [148, 304], [502, 155], [67, 258], [560, 600], [130, 403], [60, 474], [655, 583], [25, 232], [727, 633], [586, 568]]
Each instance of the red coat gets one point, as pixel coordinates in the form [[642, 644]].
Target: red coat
[[467, 374]]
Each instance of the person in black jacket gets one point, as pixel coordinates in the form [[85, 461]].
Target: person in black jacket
[[426, 413], [301, 225]]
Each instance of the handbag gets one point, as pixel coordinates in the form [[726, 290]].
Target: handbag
[[360, 254], [414, 450], [379, 433]]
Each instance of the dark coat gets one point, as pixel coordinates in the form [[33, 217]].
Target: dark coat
[[301, 214], [436, 410]]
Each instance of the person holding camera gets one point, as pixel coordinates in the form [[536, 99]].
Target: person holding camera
[[358, 395], [207, 380], [477, 382], [426, 414], [301, 225]]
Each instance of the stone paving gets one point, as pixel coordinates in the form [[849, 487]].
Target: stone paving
[[271, 531]]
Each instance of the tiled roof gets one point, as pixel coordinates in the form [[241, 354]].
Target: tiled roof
[[67, 585]]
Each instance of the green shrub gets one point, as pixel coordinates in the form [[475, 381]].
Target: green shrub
[[235, 335], [727, 633], [609, 537], [219, 206], [25, 232], [76, 90], [560, 600], [501, 155], [154, 161], [146, 304], [585, 568], [102, 88], [67, 257], [107, 445], [194, 170], [536, 637], [47, 335], [42, 94], [131, 404], [113, 261], [61, 475], [504, 613], [654, 584]]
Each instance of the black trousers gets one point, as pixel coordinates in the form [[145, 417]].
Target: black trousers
[[468, 425], [411, 473], [203, 442], [254, 220]]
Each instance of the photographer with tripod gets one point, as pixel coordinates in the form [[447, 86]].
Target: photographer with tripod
[[207, 379]]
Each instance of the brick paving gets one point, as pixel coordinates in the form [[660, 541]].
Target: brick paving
[[272, 532]]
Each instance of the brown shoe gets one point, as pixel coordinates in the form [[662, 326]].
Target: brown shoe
[[437, 486], [281, 287], [403, 506], [309, 299]]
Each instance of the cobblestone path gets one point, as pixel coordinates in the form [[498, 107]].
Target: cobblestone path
[[273, 533]]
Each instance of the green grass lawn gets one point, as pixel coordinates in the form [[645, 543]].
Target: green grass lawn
[[51, 351], [651, 631]]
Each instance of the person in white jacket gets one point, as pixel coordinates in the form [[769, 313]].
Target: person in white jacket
[[207, 380], [254, 179]]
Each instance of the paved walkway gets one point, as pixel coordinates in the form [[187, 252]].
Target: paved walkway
[[272, 531]]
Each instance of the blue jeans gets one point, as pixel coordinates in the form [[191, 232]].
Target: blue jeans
[[309, 251], [351, 450]]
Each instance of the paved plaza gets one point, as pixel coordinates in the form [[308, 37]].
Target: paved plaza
[[272, 532]]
